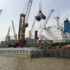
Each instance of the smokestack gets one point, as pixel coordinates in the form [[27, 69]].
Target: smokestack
[[36, 35]]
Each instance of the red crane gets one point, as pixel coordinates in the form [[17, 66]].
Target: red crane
[[8, 37]]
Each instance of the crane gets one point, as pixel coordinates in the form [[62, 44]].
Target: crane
[[15, 35], [49, 32], [39, 16], [23, 24], [48, 18], [46, 22], [28, 10], [30, 32], [8, 36]]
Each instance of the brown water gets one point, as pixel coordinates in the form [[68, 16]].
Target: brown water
[[20, 63]]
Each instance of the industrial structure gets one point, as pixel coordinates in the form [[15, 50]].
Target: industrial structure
[[20, 40], [50, 41]]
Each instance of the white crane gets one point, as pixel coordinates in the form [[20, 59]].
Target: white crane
[[14, 32], [28, 10], [39, 16], [46, 23]]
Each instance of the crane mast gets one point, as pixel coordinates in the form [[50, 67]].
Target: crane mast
[[21, 34], [23, 24]]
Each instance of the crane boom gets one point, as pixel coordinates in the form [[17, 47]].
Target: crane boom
[[46, 22], [28, 10], [30, 32], [8, 31], [8, 37], [48, 18], [15, 35]]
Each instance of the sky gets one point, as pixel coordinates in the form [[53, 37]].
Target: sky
[[13, 8]]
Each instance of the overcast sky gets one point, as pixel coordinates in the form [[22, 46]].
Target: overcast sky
[[13, 8]]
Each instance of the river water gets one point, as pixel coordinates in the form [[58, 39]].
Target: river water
[[20, 63]]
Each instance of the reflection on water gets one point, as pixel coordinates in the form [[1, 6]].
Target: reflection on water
[[20, 63]]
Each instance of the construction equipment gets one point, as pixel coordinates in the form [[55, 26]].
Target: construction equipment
[[8, 37], [8, 40], [48, 18], [30, 32], [46, 23], [36, 35], [39, 16], [21, 34], [49, 33], [23, 24], [28, 10], [15, 35]]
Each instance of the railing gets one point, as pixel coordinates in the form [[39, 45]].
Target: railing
[[15, 51]]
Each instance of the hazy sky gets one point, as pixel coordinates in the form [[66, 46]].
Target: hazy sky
[[13, 8]]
